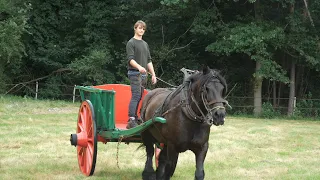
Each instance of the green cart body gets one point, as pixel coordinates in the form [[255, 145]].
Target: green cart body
[[103, 116]]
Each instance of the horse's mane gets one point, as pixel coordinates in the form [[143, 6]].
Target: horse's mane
[[202, 79]]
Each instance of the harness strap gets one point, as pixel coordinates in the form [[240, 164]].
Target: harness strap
[[186, 107], [161, 108], [169, 97], [149, 100], [186, 104]]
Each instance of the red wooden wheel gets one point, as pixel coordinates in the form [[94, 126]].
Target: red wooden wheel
[[86, 138]]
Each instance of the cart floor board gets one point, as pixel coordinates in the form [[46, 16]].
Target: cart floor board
[[121, 125]]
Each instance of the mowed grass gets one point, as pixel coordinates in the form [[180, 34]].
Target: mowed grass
[[34, 144]]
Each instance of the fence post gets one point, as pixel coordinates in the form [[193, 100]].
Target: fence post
[[294, 104], [74, 93], [37, 90]]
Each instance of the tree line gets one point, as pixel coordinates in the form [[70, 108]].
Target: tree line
[[265, 49]]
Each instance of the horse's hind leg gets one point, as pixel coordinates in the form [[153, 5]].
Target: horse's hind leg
[[148, 172], [167, 162]]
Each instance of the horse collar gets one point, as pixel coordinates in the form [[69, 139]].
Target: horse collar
[[186, 106]]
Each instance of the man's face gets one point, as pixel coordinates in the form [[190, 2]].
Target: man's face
[[140, 30]]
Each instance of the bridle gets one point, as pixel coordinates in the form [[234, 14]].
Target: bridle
[[185, 91], [208, 104], [205, 117]]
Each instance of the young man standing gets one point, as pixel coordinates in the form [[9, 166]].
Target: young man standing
[[139, 60]]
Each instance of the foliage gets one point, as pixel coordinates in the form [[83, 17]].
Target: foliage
[[39, 38], [13, 24], [268, 111], [93, 68], [258, 41], [307, 107], [51, 90], [3, 80], [300, 42]]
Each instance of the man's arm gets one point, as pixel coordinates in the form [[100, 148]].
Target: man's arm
[[151, 70], [134, 64]]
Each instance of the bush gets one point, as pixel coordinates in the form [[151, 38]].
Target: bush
[[268, 111], [308, 107]]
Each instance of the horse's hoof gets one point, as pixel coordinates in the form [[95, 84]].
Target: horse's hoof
[[149, 175]]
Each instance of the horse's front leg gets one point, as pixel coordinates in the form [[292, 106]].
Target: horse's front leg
[[200, 157]]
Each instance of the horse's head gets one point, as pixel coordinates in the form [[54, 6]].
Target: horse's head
[[209, 88]]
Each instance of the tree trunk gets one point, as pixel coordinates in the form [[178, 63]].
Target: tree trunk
[[299, 80], [292, 89], [257, 10], [279, 94], [274, 94], [257, 89], [257, 103], [292, 80]]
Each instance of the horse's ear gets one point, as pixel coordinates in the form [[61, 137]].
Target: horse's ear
[[205, 69]]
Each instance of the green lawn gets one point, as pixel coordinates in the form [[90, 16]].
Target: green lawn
[[34, 144]]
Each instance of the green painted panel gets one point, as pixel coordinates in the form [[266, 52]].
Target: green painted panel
[[103, 104]]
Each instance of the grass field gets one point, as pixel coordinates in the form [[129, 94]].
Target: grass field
[[34, 144]]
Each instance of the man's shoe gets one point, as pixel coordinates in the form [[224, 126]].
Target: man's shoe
[[139, 121], [132, 123]]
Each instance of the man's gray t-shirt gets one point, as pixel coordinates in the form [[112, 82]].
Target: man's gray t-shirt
[[138, 50]]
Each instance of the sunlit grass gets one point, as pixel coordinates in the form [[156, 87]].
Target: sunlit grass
[[34, 144]]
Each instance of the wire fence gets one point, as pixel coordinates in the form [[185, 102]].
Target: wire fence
[[306, 107], [41, 91], [240, 105]]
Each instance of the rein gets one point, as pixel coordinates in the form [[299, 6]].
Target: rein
[[164, 81], [186, 99]]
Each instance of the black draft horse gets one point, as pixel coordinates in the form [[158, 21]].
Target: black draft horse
[[190, 110]]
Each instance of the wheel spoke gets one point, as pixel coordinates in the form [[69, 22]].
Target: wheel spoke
[[87, 155], [81, 156], [90, 140], [90, 131], [84, 160], [83, 121], [89, 160], [85, 118], [90, 147], [80, 124], [89, 123]]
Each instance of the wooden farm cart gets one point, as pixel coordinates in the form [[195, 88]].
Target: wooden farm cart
[[103, 116]]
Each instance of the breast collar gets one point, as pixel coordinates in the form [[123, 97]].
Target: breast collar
[[186, 106]]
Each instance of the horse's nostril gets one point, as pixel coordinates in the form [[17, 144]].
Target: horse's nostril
[[218, 114]]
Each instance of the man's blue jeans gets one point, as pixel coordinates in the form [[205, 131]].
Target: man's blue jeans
[[137, 83]]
